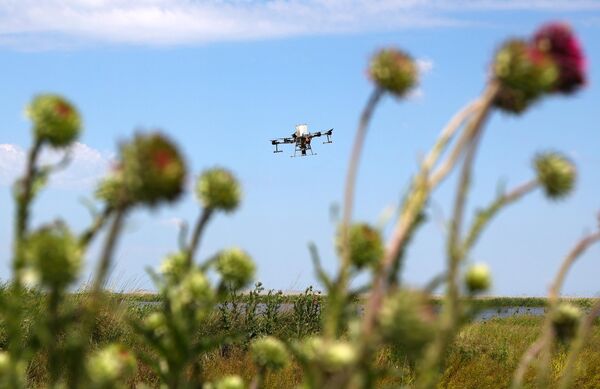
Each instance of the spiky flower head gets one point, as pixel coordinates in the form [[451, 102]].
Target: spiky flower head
[[194, 288], [53, 254], [227, 382], [338, 355], [111, 366], [406, 322], [55, 119], [565, 320], [331, 355], [152, 169], [217, 188], [156, 322], [270, 353], [365, 245], [478, 278], [556, 173], [174, 266], [560, 43], [235, 267], [393, 71], [524, 73]]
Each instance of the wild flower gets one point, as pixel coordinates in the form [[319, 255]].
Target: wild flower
[[55, 120]]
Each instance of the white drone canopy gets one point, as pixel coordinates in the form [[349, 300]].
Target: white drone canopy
[[301, 129]]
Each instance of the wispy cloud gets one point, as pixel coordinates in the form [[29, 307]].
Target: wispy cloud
[[34, 24], [87, 165]]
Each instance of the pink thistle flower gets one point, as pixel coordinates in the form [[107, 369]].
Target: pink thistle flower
[[558, 40]]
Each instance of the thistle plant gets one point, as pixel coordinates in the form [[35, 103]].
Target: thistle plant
[[337, 337]]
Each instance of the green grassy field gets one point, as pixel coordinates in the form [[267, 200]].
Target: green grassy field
[[484, 355]]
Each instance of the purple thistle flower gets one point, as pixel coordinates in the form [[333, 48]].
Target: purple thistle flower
[[558, 40]]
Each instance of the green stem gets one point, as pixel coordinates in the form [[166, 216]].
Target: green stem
[[544, 343], [484, 216], [336, 300], [197, 234], [88, 235], [436, 354], [583, 333]]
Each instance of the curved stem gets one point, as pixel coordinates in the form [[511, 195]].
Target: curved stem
[[416, 200], [25, 192], [584, 332], [526, 360], [485, 215], [197, 234], [547, 337], [88, 235], [107, 251], [336, 295]]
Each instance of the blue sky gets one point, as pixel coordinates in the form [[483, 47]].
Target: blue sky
[[223, 77]]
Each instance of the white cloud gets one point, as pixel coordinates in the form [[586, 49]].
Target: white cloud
[[424, 65], [87, 165], [35, 24]]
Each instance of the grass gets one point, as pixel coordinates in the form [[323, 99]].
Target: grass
[[484, 355]]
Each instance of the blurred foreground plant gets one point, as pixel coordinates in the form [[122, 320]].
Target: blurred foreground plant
[[357, 323]]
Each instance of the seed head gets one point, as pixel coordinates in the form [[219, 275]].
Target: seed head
[[270, 352], [565, 320], [193, 288], [152, 170], [218, 188], [393, 71], [556, 173], [365, 245], [478, 278], [560, 43], [55, 120], [53, 254], [406, 322], [338, 355], [524, 73], [174, 266], [111, 365], [235, 267]]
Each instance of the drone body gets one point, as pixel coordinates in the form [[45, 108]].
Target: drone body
[[301, 138]]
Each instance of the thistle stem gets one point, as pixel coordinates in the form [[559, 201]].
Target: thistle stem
[[547, 338], [197, 234], [417, 198], [583, 333], [335, 305]]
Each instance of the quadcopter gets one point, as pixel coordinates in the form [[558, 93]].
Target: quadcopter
[[301, 138]]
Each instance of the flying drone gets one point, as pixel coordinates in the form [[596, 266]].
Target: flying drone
[[301, 138]]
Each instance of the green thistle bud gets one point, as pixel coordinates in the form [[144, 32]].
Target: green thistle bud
[[366, 245], [270, 353], [54, 255], [111, 190], [393, 71], [227, 382], [174, 266], [152, 169], [565, 320], [406, 322], [235, 267], [338, 355], [156, 322], [556, 173], [194, 288], [55, 120], [218, 188], [111, 365], [478, 278], [525, 74]]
